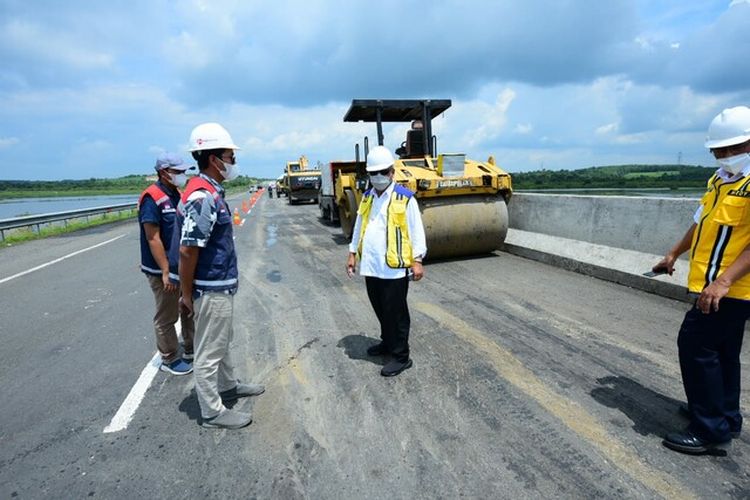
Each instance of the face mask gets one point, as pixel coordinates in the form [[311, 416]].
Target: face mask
[[380, 182], [179, 180], [734, 164], [230, 171]]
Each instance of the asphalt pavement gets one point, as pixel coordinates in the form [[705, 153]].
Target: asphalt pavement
[[528, 381]]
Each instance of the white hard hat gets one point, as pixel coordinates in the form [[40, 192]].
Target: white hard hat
[[730, 127], [210, 136], [379, 158]]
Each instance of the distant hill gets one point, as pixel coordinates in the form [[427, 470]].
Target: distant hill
[[616, 176], [130, 184]]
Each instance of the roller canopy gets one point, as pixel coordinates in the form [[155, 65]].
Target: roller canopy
[[393, 110]]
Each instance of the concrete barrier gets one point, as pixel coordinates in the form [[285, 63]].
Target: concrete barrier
[[616, 238], [643, 224]]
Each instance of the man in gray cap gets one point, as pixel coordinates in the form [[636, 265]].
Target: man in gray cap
[[157, 218]]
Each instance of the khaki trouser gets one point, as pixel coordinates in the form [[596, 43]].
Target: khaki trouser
[[167, 310], [212, 366]]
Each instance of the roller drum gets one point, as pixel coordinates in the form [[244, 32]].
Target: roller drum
[[463, 225]]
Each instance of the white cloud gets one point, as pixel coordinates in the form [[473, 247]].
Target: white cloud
[[491, 118], [38, 43], [585, 83], [607, 129], [7, 142], [523, 128]]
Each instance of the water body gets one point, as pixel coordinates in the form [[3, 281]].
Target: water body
[[35, 206]]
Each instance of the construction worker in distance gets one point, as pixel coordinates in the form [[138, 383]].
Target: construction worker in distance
[[209, 277], [710, 338], [389, 241], [157, 218]]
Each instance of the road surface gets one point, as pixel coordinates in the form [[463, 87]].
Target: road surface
[[528, 381]]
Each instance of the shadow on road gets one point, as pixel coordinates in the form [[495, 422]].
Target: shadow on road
[[190, 407], [652, 413], [339, 239], [355, 346]]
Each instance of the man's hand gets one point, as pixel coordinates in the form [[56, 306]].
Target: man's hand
[[708, 301], [186, 304], [418, 270], [351, 265], [667, 263], [169, 287]]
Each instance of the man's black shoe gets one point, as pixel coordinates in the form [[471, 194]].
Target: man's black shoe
[[395, 367], [377, 350], [687, 442], [684, 412]]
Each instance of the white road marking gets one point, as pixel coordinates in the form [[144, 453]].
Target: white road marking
[[23, 273], [128, 407], [134, 398]]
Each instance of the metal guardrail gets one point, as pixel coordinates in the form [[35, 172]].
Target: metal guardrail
[[38, 220]]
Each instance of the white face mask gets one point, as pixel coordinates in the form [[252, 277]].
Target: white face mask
[[380, 182], [230, 171], [179, 180], [734, 164]]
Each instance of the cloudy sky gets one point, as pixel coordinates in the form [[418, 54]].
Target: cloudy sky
[[98, 89]]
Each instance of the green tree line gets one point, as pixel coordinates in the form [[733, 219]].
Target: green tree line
[[616, 177]]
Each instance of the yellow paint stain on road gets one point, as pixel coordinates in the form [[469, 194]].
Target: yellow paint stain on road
[[297, 371], [570, 413]]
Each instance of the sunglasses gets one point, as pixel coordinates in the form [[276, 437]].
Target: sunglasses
[[385, 171], [232, 159]]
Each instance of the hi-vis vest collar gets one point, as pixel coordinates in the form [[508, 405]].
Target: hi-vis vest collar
[[157, 193], [721, 234], [197, 183], [398, 252]]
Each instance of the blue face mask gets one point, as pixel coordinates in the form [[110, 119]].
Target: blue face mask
[[179, 180]]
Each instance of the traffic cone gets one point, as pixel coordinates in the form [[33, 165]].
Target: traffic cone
[[236, 219], [244, 206]]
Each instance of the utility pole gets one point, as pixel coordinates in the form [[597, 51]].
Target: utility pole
[[679, 158]]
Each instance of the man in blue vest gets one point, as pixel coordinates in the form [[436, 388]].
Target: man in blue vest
[[157, 218], [209, 277], [389, 240]]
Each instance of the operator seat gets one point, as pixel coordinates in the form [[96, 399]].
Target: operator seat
[[415, 143]]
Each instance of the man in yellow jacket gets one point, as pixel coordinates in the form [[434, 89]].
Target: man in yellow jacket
[[389, 240], [710, 339]]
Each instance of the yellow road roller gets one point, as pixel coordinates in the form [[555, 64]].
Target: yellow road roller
[[463, 201]]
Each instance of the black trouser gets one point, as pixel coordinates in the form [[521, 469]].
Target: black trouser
[[709, 346], [388, 299]]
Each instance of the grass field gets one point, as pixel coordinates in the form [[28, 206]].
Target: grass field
[[650, 175]]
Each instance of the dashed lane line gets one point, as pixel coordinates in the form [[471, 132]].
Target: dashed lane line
[[570, 413], [55, 261]]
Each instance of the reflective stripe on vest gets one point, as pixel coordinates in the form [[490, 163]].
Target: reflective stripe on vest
[[197, 183], [398, 253], [156, 193], [721, 235]]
